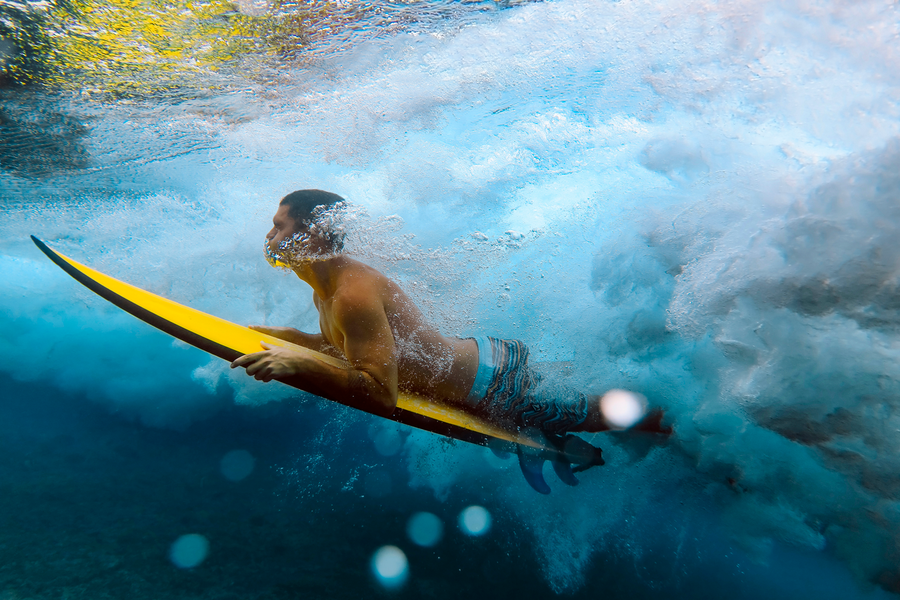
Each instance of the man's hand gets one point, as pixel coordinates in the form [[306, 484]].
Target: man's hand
[[273, 362]]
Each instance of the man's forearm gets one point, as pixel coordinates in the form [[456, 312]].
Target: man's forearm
[[317, 342], [349, 386], [313, 341]]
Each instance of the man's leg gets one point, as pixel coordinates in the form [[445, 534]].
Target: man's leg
[[596, 421]]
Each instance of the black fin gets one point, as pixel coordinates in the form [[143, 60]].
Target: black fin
[[501, 454], [500, 449], [564, 471], [565, 451], [532, 465]]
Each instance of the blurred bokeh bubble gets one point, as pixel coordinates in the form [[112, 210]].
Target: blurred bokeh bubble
[[189, 550], [425, 529], [622, 408], [390, 566], [475, 520], [237, 465]]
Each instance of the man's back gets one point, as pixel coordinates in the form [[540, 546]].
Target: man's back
[[428, 363]]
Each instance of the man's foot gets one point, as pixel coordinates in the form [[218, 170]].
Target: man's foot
[[652, 423]]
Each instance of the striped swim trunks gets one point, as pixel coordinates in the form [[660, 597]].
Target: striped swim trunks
[[507, 390]]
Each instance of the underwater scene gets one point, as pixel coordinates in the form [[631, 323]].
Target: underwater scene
[[693, 200]]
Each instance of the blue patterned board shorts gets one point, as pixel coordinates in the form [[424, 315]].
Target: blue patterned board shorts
[[507, 390]]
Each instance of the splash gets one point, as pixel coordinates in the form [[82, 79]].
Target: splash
[[321, 238]]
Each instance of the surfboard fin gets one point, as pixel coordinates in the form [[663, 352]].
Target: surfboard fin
[[570, 455], [532, 464], [501, 454], [563, 470], [500, 449]]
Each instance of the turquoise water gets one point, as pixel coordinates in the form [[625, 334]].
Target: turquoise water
[[696, 201]]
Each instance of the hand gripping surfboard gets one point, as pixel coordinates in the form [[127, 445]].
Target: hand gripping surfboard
[[229, 340]]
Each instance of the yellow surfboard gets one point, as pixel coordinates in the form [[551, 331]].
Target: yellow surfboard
[[228, 341]]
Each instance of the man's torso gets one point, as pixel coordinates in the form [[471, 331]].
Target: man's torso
[[428, 363]]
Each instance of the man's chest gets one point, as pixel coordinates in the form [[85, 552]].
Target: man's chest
[[327, 326]]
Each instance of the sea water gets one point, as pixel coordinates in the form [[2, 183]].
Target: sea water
[[696, 201]]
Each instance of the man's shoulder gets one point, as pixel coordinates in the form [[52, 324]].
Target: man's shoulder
[[359, 278], [360, 288], [357, 305]]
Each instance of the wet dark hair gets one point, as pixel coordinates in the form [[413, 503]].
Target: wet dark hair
[[304, 206]]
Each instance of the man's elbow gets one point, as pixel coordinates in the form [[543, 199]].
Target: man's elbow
[[377, 398], [385, 410], [385, 403]]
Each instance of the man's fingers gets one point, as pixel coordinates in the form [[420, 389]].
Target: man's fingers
[[256, 365], [243, 361], [264, 374], [264, 365], [253, 369]]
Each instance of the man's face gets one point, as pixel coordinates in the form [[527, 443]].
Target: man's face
[[283, 228], [290, 244]]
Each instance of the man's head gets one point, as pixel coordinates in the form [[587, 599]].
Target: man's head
[[302, 227]]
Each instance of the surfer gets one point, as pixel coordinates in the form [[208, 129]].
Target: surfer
[[367, 320]]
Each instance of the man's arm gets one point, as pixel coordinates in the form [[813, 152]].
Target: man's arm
[[370, 382], [313, 341], [369, 348]]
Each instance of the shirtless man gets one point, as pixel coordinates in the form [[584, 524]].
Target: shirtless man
[[367, 320]]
